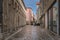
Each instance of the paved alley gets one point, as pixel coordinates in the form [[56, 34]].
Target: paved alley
[[32, 33]]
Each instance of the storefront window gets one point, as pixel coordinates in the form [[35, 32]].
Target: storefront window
[[55, 17]]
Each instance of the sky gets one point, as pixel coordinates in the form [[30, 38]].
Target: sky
[[32, 4]]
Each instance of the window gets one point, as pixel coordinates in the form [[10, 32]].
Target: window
[[55, 17]]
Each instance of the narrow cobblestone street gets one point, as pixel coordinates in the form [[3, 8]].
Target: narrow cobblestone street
[[32, 33]]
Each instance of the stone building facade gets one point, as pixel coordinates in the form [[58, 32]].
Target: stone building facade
[[50, 12], [12, 16], [38, 13], [29, 15]]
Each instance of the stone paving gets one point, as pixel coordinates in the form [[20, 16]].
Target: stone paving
[[32, 33]]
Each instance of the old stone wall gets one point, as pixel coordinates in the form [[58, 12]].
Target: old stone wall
[[13, 17]]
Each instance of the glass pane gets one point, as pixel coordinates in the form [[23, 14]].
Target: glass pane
[[55, 17]]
